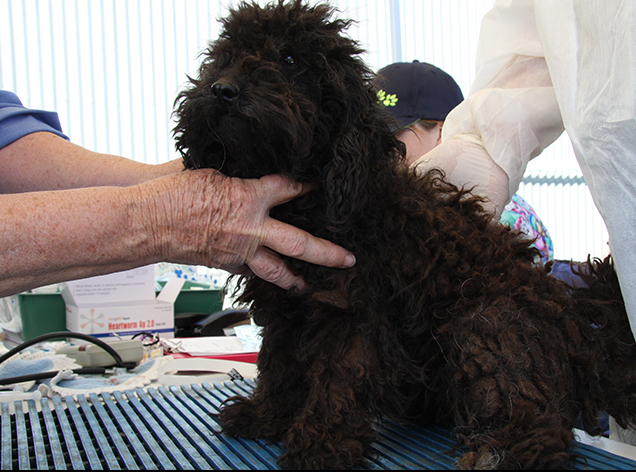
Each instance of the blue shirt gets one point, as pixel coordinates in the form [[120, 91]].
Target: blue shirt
[[17, 121]]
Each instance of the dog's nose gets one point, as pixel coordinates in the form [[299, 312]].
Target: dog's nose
[[224, 91]]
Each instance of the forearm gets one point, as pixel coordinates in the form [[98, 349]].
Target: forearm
[[43, 161], [196, 217], [51, 237]]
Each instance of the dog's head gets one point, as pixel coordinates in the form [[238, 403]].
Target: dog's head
[[282, 90]]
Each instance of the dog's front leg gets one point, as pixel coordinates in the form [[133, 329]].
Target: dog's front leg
[[280, 391], [334, 430]]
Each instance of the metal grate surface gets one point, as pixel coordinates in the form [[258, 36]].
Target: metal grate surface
[[172, 428]]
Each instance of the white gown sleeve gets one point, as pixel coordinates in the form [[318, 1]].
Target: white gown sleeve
[[510, 115]]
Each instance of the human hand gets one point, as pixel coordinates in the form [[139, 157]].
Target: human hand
[[468, 165], [206, 218]]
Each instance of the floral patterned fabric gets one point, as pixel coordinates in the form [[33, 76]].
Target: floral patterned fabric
[[518, 214]]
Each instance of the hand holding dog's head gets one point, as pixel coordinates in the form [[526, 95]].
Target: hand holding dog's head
[[272, 93]]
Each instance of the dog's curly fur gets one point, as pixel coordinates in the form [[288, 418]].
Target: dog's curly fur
[[445, 319]]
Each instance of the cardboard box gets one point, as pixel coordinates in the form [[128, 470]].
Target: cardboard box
[[123, 303], [43, 313]]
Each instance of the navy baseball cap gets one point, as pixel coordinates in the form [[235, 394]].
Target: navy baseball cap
[[413, 91]]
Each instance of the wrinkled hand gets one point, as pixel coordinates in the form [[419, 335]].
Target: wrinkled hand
[[206, 218]]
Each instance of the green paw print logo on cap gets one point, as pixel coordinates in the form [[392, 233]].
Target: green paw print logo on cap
[[388, 100]]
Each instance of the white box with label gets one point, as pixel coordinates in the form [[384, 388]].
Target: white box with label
[[121, 304]]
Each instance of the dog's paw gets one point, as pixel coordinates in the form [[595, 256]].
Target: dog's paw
[[240, 418], [322, 458], [481, 460], [314, 449], [252, 419]]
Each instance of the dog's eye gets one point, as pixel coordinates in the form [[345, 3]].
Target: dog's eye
[[288, 60]]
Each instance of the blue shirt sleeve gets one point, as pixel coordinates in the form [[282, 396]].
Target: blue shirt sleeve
[[17, 121]]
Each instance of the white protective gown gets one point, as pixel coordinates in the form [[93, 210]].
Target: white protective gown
[[544, 66]]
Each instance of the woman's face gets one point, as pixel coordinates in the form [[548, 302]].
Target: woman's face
[[419, 139]]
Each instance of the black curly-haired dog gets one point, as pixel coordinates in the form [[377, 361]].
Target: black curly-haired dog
[[445, 319]]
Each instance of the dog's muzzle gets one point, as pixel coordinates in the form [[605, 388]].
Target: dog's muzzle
[[225, 91]]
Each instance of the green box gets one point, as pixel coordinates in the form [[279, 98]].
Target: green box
[[198, 298], [199, 301], [43, 313]]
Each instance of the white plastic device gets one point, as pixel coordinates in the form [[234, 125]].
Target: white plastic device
[[91, 355]]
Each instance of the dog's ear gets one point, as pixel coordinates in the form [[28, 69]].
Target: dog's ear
[[359, 130], [192, 128], [358, 155], [345, 181]]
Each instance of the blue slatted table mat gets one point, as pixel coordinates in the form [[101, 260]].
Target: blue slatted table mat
[[173, 428]]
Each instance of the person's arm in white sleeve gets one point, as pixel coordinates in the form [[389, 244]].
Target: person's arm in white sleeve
[[510, 115]]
